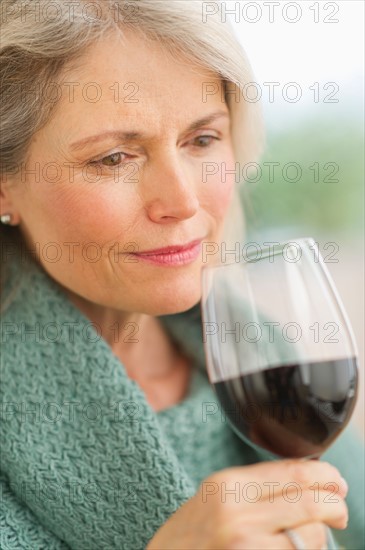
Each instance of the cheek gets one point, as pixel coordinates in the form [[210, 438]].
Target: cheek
[[219, 189], [97, 213]]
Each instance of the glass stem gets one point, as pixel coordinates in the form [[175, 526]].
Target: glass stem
[[331, 542]]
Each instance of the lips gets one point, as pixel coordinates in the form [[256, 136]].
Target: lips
[[173, 256], [173, 249]]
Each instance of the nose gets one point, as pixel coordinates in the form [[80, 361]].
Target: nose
[[169, 190]]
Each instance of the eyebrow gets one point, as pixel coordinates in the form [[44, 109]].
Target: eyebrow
[[134, 136]]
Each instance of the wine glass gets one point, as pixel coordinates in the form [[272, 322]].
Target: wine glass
[[279, 348]]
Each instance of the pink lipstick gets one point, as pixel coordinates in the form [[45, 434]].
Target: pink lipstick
[[174, 255]]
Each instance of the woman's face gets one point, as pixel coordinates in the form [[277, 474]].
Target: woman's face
[[148, 190]]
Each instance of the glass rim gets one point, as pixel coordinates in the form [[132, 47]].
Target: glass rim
[[266, 252]]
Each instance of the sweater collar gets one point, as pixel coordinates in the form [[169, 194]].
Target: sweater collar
[[81, 446]]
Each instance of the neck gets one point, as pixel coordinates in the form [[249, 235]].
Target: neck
[[137, 339]]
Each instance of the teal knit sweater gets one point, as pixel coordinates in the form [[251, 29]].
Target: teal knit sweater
[[85, 462]]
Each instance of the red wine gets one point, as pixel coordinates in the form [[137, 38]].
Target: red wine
[[293, 410]]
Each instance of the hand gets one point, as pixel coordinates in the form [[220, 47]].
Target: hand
[[242, 508]]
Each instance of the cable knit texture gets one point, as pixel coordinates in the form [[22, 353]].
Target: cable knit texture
[[85, 462]]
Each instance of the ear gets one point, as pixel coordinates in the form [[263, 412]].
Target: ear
[[6, 203]]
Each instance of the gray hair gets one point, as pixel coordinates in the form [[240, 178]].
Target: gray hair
[[39, 38]]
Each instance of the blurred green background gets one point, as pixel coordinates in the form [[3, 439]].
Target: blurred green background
[[328, 197]]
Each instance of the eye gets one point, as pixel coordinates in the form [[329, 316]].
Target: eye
[[204, 141], [111, 160]]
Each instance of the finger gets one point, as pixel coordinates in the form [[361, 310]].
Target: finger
[[312, 535], [270, 476], [287, 513]]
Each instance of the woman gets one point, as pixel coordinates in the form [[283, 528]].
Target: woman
[[113, 116]]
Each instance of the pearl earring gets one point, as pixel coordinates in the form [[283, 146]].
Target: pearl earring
[[6, 219]]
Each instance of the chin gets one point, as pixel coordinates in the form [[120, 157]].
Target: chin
[[178, 303]]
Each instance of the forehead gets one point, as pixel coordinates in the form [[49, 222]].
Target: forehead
[[134, 76]]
